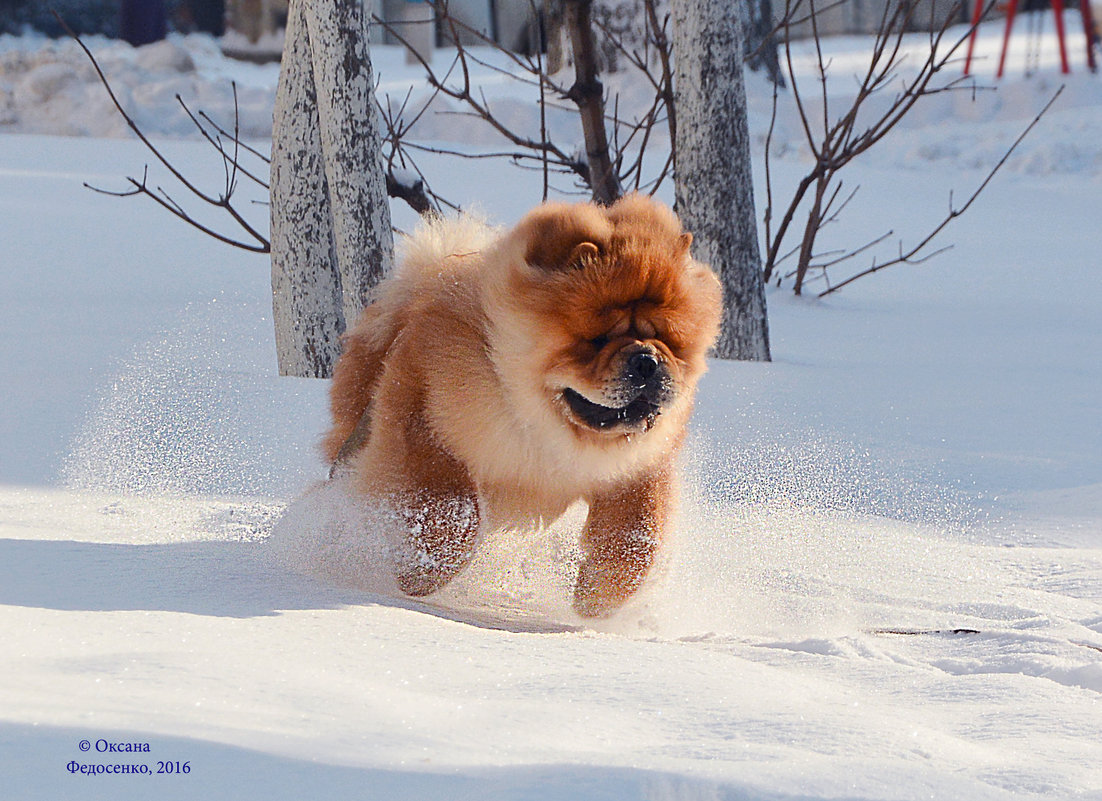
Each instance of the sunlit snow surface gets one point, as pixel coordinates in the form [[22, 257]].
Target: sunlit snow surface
[[886, 580]]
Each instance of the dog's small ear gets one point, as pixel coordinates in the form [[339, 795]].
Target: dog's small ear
[[684, 242], [583, 253], [559, 236]]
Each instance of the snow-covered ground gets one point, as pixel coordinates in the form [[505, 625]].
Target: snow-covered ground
[[923, 455]]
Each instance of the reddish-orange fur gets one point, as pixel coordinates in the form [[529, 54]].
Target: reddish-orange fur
[[353, 385], [467, 360]]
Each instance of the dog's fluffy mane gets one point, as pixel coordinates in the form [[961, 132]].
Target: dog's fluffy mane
[[460, 274]]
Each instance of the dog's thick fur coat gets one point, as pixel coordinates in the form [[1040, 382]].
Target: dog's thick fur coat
[[499, 377]]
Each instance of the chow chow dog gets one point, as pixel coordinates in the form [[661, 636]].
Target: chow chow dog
[[501, 376]]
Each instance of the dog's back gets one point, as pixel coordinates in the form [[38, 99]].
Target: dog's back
[[438, 245]]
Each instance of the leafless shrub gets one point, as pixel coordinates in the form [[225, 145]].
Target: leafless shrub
[[241, 161], [616, 147], [837, 137], [232, 152]]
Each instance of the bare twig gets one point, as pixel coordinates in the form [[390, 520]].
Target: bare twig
[[545, 167], [835, 141], [416, 194], [616, 146], [160, 198], [465, 93], [255, 241], [911, 256], [242, 144], [216, 142]]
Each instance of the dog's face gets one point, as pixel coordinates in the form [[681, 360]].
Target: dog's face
[[618, 315]]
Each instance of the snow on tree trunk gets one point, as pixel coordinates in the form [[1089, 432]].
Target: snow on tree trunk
[[713, 181], [331, 233]]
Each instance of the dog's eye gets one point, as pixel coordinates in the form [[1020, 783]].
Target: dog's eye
[[599, 342]]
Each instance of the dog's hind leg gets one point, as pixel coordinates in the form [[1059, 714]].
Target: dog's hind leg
[[355, 379]]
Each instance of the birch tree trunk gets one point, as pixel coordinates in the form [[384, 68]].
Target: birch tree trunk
[[759, 38], [713, 180], [331, 233], [626, 21]]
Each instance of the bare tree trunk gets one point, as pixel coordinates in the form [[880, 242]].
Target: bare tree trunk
[[626, 22], [555, 32], [588, 93], [760, 38], [713, 180], [306, 291], [331, 233], [351, 145]]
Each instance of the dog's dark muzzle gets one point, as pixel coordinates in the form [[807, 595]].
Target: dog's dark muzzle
[[643, 388]]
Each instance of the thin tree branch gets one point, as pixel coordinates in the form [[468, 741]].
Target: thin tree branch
[[911, 256]]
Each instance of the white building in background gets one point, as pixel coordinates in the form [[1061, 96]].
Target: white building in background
[[512, 23], [255, 26]]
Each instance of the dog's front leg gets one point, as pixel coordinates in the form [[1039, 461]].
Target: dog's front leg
[[440, 536], [622, 534]]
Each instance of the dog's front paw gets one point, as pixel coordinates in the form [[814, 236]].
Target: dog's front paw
[[441, 534], [607, 581], [421, 581]]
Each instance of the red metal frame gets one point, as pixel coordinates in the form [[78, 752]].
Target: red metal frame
[[1061, 37]]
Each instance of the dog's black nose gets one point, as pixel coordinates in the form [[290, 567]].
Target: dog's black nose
[[643, 364]]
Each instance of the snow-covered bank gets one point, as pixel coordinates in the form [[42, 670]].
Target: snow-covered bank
[[135, 621], [49, 87]]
